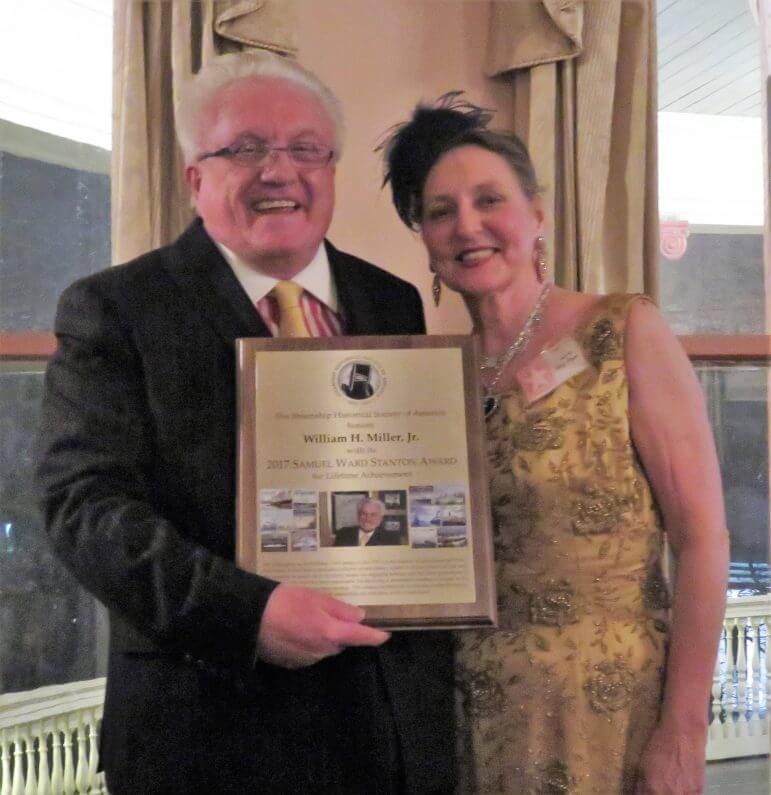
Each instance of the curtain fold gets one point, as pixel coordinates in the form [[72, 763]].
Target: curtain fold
[[156, 45], [584, 81], [259, 24]]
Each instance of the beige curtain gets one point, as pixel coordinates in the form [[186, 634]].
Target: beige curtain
[[584, 81], [155, 45]]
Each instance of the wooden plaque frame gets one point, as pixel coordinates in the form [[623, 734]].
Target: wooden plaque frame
[[481, 611]]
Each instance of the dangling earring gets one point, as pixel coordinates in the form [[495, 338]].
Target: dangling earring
[[436, 289], [539, 252]]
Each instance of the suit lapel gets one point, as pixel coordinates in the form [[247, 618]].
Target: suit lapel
[[210, 287], [377, 537], [355, 300]]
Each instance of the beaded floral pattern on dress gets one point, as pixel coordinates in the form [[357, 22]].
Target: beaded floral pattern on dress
[[555, 605], [597, 512], [555, 779], [540, 431], [563, 695], [610, 689], [604, 342]]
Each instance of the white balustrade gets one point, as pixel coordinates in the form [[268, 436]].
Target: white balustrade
[[741, 688], [49, 740], [49, 736]]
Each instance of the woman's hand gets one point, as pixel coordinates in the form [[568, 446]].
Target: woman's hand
[[672, 762]]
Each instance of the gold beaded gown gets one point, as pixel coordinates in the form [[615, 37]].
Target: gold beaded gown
[[562, 697]]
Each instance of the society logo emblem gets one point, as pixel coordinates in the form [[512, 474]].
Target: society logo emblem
[[358, 379]]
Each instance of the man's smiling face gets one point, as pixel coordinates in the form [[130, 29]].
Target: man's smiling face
[[273, 215], [370, 516]]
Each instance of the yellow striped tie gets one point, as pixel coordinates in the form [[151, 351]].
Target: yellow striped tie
[[291, 321]]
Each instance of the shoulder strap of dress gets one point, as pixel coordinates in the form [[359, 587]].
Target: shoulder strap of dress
[[616, 306], [603, 336]]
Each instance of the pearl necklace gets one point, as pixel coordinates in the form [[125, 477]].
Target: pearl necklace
[[499, 362]]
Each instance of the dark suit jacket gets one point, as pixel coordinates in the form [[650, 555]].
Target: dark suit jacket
[[349, 537], [137, 482]]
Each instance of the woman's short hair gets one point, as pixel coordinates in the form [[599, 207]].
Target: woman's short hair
[[412, 149], [194, 94]]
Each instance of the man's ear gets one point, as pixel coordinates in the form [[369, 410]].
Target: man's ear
[[193, 179]]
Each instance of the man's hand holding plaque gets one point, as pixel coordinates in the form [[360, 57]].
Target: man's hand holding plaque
[[301, 626]]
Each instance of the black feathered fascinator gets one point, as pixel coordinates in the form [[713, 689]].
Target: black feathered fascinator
[[410, 149]]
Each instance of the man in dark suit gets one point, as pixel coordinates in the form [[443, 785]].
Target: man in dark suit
[[221, 681], [370, 531]]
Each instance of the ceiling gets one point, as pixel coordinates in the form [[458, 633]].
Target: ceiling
[[709, 57]]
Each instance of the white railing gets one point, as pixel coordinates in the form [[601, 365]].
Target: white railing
[[741, 688], [49, 739], [49, 736]]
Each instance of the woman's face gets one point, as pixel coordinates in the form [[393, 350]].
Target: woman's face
[[478, 225]]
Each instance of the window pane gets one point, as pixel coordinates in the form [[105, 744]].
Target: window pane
[[55, 120], [54, 227], [717, 285], [710, 167], [737, 401], [52, 631]]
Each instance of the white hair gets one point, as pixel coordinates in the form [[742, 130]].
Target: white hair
[[195, 93], [370, 501]]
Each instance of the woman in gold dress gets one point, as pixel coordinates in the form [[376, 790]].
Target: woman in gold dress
[[598, 442]]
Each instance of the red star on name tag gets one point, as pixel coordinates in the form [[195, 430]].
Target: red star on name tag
[[537, 379], [550, 368]]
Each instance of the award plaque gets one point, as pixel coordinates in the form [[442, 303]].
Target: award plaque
[[330, 429]]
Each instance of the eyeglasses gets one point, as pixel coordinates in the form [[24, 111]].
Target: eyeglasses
[[255, 152]]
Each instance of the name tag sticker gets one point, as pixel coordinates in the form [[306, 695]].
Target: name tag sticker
[[552, 367]]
